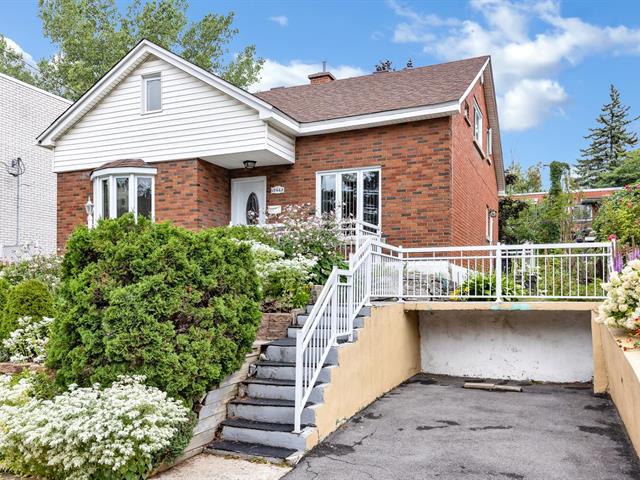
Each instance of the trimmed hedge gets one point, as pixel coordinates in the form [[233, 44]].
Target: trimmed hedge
[[139, 298], [30, 298]]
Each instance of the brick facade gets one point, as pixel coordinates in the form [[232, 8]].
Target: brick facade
[[474, 183], [435, 185], [190, 193], [415, 161]]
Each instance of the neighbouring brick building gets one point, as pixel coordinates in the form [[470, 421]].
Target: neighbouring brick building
[[415, 152], [24, 112]]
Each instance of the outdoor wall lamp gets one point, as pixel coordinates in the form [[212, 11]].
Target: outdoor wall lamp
[[88, 207], [493, 213], [249, 164]]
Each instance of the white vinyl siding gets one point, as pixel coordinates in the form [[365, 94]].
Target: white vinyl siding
[[196, 120]]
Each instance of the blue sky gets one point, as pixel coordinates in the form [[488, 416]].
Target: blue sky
[[553, 60]]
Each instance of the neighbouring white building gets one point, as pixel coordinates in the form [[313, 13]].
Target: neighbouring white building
[[27, 185]]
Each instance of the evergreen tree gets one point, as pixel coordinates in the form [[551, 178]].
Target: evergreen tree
[[609, 141]]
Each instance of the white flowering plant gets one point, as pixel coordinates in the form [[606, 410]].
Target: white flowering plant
[[621, 308], [285, 281], [88, 433], [302, 233], [40, 267], [28, 342]]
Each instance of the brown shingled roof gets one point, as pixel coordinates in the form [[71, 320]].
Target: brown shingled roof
[[128, 162], [378, 92]]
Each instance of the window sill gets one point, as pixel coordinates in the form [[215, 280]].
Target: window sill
[[479, 148], [152, 112]]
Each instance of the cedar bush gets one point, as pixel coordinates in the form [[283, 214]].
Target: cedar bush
[[29, 298], [140, 298]]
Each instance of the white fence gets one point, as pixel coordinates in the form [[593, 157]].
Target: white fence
[[377, 271]]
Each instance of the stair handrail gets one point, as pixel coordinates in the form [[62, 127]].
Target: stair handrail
[[335, 302]]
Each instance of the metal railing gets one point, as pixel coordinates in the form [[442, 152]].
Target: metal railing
[[377, 271], [343, 295], [354, 232]]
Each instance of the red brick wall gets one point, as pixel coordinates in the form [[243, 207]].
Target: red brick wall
[[74, 188], [415, 175], [473, 180], [435, 184], [190, 193]]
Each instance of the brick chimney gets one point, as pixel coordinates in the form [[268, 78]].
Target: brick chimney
[[321, 77]]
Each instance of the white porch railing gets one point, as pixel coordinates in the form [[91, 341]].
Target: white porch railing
[[354, 232], [377, 271]]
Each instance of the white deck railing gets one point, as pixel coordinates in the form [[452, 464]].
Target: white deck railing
[[377, 271]]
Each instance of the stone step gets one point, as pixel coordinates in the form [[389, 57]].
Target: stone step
[[284, 350], [253, 450], [302, 319], [293, 330], [364, 311], [270, 410], [286, 371], [272, 434], [281, 389]]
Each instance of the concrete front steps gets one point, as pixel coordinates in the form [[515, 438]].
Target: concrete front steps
[[260, 421]]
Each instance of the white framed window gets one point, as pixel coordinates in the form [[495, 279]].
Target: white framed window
[[489, 217], [117, 191], [351, 194], [582, 212], [151, 93], [489, 141], [477, 124]]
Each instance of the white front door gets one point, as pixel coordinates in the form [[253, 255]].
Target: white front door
[[248, 200]]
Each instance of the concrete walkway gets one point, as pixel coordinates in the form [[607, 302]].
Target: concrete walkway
[[212, 467], [431, 428]]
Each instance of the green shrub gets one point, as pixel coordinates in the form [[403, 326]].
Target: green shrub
[[151, 299], [619, 215], [285, 281], [30, 298], [5, 286], [482, 287]]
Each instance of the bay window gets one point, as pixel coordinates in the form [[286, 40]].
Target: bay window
[[350, 194], [117, 191]]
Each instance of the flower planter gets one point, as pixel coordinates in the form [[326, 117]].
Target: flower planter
[[617, 372]]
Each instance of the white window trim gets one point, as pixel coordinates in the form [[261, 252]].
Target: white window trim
[[143, 96], [489, 141], [132, 174], [477, 123], [360, 184]]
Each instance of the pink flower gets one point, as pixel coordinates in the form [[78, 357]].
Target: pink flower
[[612, 237]]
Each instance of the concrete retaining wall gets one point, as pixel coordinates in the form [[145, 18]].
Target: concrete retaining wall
[[214, 408], [386, 354], [617, 373], [520, 344]]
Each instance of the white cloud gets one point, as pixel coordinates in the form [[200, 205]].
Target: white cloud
[[522, 61], [275, 74], [528, 102], [281, 20], [13, 45]]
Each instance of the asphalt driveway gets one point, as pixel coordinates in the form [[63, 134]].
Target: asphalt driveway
[[430, 427]]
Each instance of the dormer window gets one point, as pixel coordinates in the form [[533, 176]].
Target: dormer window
[[151, 93]]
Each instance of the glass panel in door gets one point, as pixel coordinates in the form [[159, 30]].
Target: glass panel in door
[[371, 197], [349, 196], [328, 193]]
